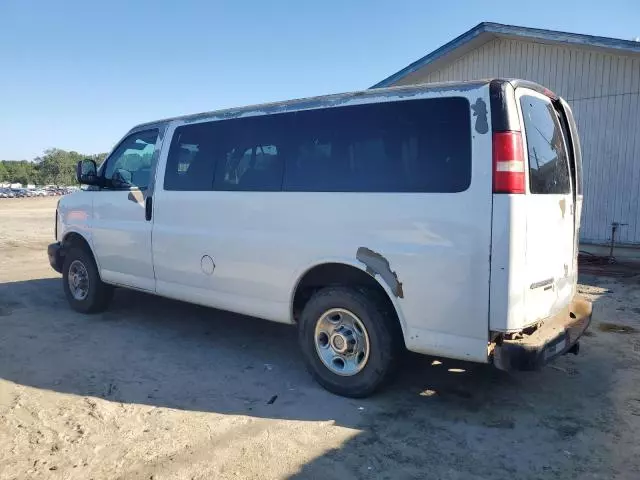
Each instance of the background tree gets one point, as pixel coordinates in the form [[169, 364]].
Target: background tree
[[55, 166], [4, 174]]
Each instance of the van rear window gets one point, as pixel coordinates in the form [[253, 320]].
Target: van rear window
[[548, 165]]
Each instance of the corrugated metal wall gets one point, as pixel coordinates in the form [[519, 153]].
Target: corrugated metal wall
[[604, 93]]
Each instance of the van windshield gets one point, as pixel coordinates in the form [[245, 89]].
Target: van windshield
[[548, 165]]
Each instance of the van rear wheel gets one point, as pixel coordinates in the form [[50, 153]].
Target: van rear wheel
[[85, 292], [348, 340]]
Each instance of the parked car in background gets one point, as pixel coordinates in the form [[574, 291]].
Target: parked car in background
[[19, 192]]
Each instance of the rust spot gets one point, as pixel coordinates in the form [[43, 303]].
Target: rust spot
[[563, 206], [378, 265]]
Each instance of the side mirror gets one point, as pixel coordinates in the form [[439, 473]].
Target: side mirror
[[87, 172]]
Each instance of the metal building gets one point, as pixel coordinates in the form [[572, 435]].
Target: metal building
[[598, 76]]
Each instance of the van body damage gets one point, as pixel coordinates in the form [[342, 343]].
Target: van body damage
[[553, 337], [376, 264]]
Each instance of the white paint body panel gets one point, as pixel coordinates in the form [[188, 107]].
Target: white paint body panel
[[262, 243], [74, 215], [533, 242], [549, 243], [508, 263], [259, 255], [122, 240], [116, 230]]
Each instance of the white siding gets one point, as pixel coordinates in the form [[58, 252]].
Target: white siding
[[604, 93]]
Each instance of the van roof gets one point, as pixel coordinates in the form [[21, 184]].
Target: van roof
[[322, 101]]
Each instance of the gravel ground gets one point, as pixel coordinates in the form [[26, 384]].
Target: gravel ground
[[157, 389]]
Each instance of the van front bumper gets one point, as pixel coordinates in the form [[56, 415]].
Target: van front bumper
[[556, 336], [54, 251]]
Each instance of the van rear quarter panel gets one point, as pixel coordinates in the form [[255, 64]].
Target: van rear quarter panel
[[533, 243], [508, 262], [262, 242]]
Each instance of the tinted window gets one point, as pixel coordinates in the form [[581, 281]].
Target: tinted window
[[130, 164], [548, 166], [406, 146], [252, 153], [410, 146], [192, 158]]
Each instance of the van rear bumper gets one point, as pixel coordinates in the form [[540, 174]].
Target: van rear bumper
[[556, 336]]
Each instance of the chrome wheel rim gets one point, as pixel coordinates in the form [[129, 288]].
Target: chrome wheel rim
[[342, 342], [78, 280]]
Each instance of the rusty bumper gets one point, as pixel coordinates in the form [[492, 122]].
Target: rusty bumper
[[556, 336]]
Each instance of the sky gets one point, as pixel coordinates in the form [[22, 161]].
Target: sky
[[77, 74]]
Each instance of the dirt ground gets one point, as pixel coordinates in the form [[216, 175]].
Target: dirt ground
[[157, 389]]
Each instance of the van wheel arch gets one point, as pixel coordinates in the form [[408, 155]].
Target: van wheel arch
[[345, 275], [76, 240]]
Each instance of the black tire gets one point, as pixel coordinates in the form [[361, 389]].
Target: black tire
[[381, 326], [99, 294]]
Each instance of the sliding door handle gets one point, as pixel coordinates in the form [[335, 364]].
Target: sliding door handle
[[148, 208]]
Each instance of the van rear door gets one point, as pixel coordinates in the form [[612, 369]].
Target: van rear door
[[575, 165], [550, 269]]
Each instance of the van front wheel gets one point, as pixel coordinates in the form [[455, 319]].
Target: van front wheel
[[83, 287], [348, 340]]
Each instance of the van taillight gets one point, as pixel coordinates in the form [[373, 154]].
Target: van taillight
[[508, 162]]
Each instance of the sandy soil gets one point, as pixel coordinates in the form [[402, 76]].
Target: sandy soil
[[157, 389]]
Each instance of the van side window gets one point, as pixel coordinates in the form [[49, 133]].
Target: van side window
[[252, 159], [548, 163], [192, 158], [129, 166], [404, 146]]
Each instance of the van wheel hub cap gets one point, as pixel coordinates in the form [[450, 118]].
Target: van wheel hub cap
[[78, 280], [342, 342]]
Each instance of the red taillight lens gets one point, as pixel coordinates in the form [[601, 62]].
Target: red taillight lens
[[508, 162]]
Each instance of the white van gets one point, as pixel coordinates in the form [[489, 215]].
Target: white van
[[440, 218]]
